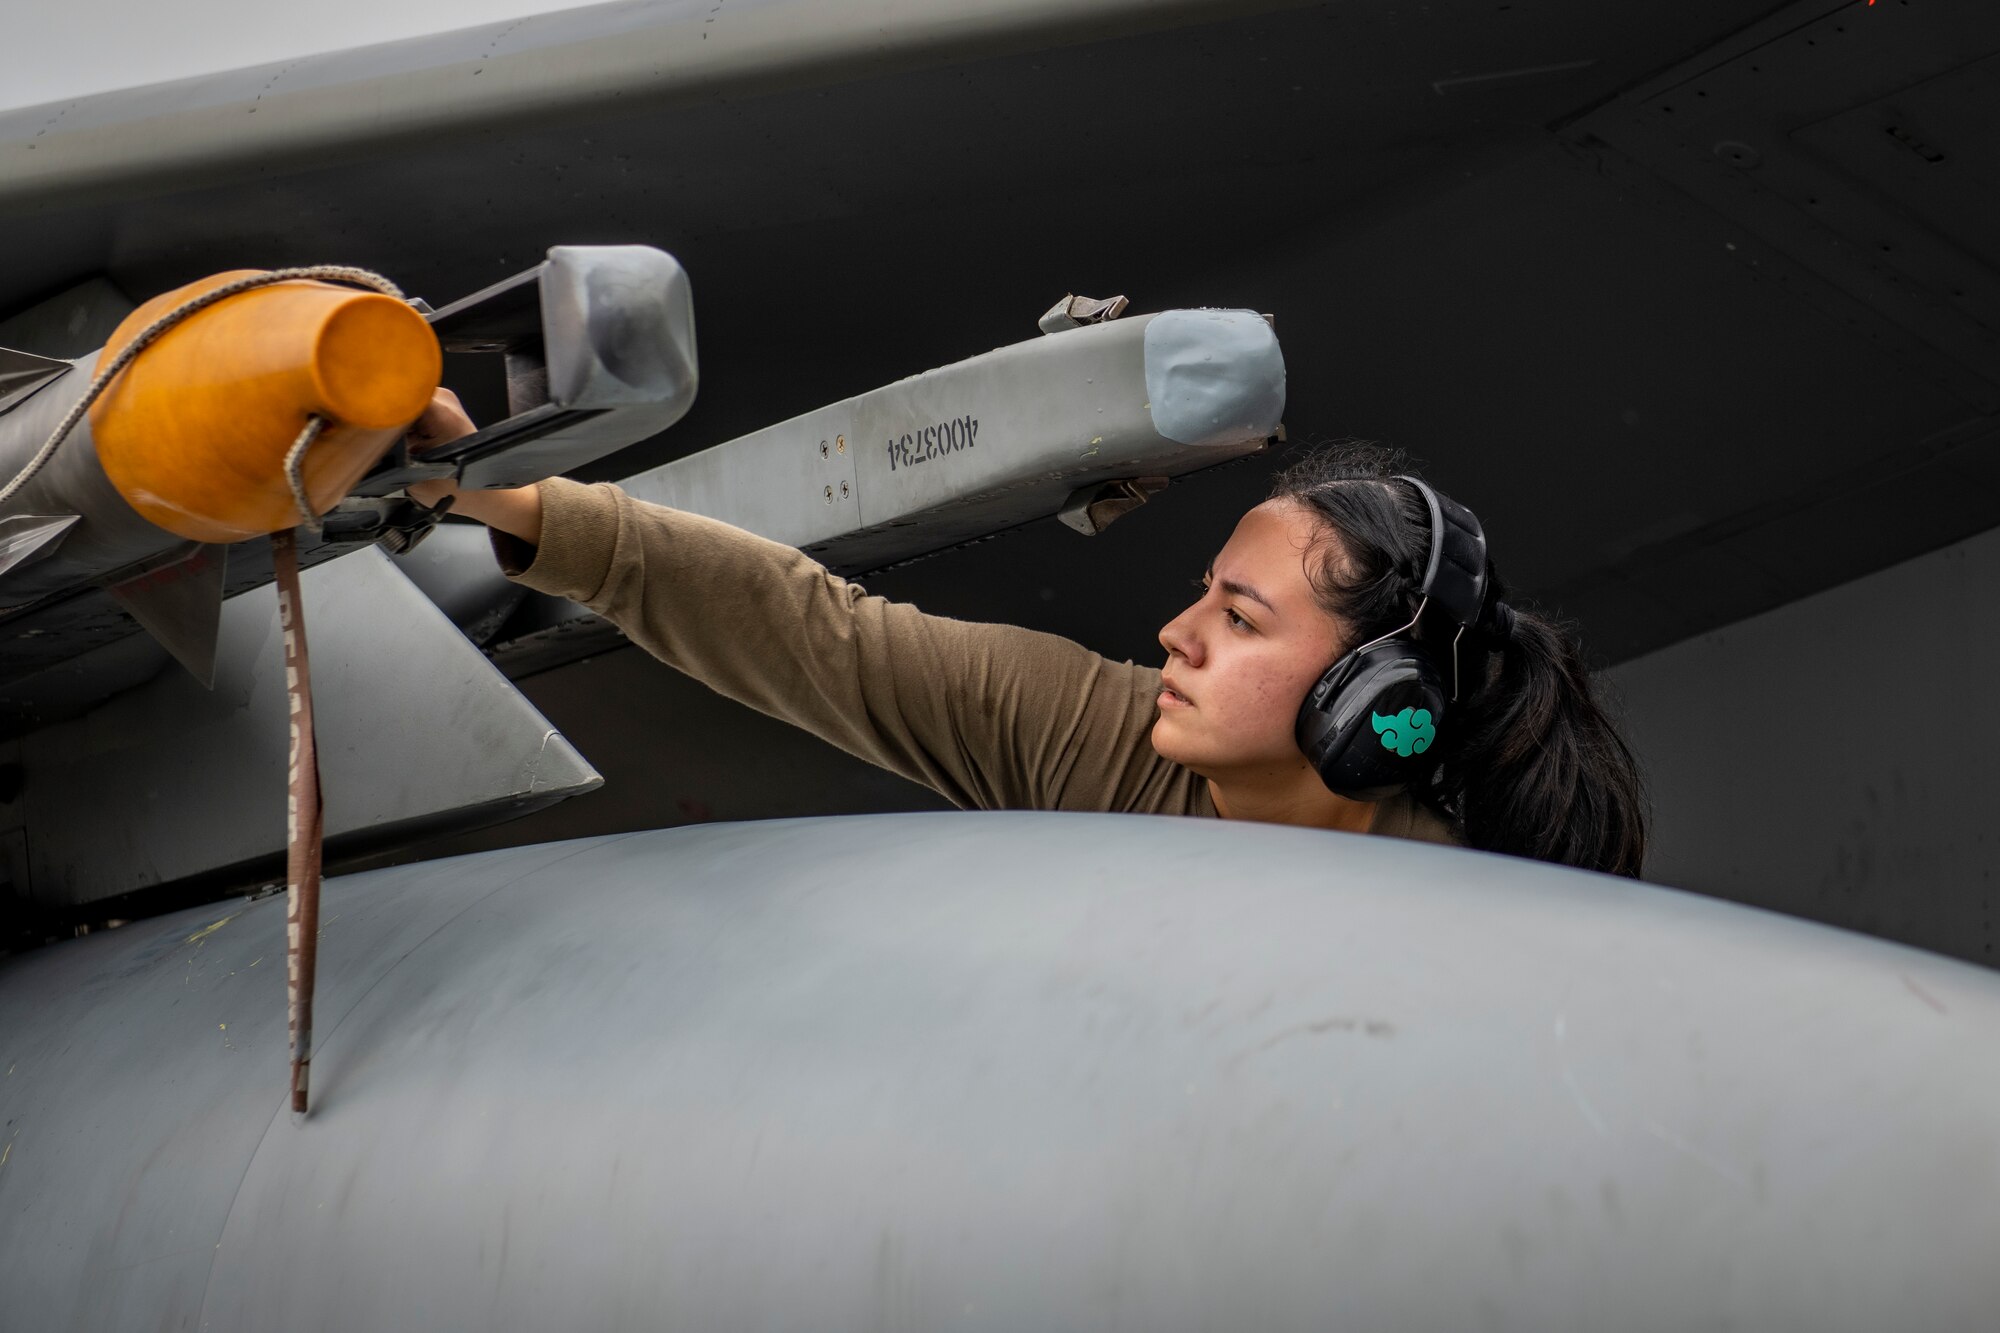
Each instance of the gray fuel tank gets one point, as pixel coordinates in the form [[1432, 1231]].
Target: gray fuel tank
[[1001, 1071]]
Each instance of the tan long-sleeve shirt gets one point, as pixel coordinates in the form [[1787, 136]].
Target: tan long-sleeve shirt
[[989, 716]]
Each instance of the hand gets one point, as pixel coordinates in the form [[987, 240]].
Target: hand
[[517, 511], [443, 421]]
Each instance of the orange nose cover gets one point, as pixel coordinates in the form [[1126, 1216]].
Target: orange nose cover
[[195, 431]]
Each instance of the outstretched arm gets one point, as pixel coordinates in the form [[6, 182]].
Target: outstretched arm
[[990, 716]]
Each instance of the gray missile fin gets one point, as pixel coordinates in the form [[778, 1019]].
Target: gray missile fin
[[26, 538], [181, 606], [454, 567], [165, 781], [22, 373]]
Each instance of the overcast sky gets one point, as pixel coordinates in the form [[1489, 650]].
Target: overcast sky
[[53, 49]]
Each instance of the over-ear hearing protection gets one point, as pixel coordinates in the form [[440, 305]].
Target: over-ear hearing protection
[[1370, 725]]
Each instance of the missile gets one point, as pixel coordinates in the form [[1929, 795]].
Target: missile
[[186, 447], [183, 455]]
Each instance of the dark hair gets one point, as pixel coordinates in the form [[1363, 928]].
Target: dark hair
[[1531, 763]]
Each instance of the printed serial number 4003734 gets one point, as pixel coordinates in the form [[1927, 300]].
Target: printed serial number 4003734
[[934, 441]]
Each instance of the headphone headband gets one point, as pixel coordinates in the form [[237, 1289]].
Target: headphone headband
[[1455, 575]]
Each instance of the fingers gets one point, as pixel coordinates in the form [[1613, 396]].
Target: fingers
[[429, 493], [443, 421]]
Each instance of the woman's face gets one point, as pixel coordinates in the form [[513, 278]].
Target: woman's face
[[1240, 660]]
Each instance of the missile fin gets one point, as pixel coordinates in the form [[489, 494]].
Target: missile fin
[[23, 373], [26, 538], [181, 606]]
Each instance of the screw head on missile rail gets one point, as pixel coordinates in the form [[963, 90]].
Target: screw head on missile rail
[[195, 431]]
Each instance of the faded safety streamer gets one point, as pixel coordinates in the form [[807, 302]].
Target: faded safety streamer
[[303, 823]]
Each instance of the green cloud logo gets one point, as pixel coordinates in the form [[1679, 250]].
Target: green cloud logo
[[1409, 732]]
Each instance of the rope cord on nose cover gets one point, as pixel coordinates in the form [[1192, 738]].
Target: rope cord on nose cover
[[295, 473]]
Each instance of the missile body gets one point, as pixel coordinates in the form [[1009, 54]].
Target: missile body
[[72, 526], [131, 520], [188, 444]]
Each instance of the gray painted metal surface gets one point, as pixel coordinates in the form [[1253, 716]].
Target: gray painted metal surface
[[72, 323], [992, 441], [1879, 822], [600, 354], [1001, 1071], [1837, 192], [524, 70], [455, 569], [167, 780]]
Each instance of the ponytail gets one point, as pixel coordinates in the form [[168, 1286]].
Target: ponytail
[[1531, 764], [1537, 767]]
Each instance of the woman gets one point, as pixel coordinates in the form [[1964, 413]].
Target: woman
[[1524, 760]]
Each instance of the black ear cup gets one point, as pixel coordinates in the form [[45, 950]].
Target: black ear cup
[[1371, 723], [1369, 726]]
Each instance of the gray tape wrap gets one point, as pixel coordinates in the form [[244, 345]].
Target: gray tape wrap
[[1211, 374]]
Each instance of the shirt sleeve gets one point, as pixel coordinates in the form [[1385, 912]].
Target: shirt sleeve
[[989, 716]]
